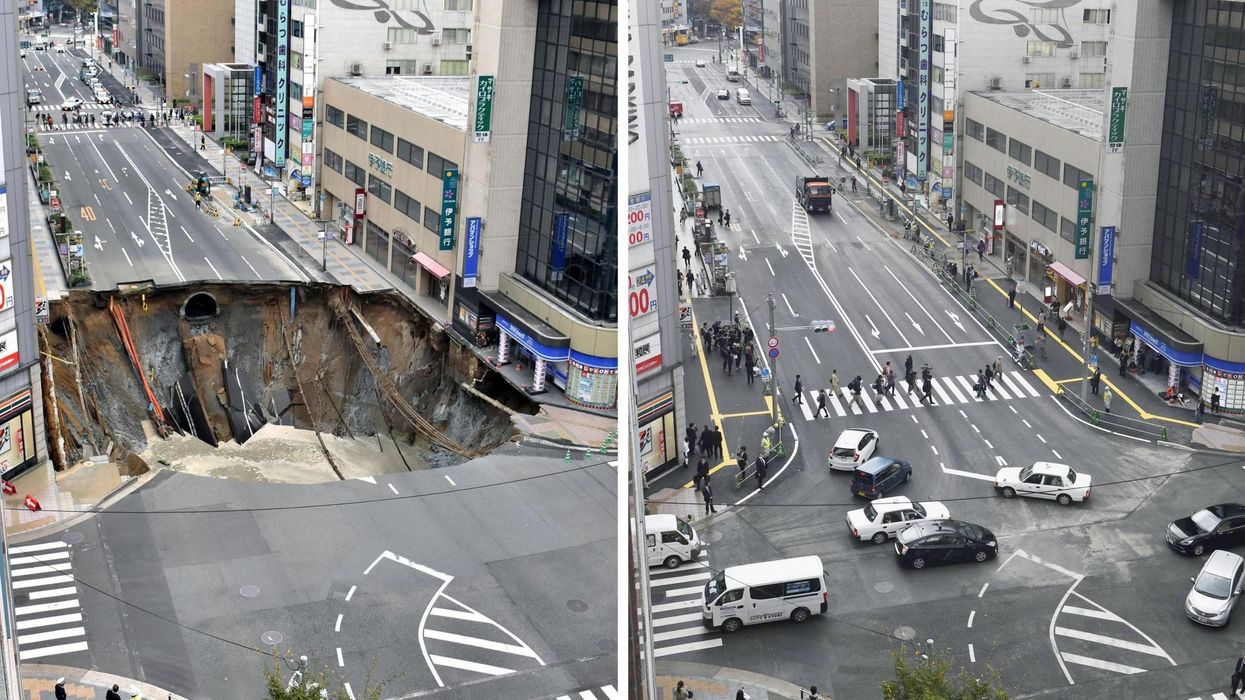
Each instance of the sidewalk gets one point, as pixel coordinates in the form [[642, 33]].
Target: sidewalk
[[39, 683], [63, 496], [712, 682]]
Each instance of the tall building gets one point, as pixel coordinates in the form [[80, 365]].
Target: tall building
[[827, 42], [175, 39]]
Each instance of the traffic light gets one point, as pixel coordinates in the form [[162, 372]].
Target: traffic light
[[823, 326]]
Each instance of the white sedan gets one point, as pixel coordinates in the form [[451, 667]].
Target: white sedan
[[60, 48], [724, 94], [854, 447], [700, 63], [1049, 480], [71, 104], [885, 517]]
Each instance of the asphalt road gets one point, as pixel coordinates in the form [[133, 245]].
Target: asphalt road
[[886, 305], [127, 197], [494, 578]]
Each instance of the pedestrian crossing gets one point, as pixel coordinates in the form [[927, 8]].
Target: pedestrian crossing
[[721, 120], [99, 124], [1222, 696], [604, 692], [675, 597], [86, 107], [45, 601], [1006, 386], [729, 140]]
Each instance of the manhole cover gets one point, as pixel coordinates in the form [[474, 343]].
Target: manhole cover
[[271, 638], [883, 586], [72, 538], [607, 645], [576, 605], [249, 591], [712, 536], [905, 633]]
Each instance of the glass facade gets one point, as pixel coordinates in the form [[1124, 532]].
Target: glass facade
[[568, 228], [1199, 237]]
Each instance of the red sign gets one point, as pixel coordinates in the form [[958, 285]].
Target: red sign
[[259, 116], [998, 215], [56, 202], [899, 125]]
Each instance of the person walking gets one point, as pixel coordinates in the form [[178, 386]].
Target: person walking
[[1094, 380], [1011, 297], [702, 471], [1061, 325], [821, 404], [700, 170], [799, 391], [988, 376], [927, 389], [762, 468], [741, 459], [834, 382], [680, 692], [907, 364], [1041, 321], [979, 389], [735, 353], [60, 689], [725, 352], [687, 258], [202, 143], [706, 492], [689, 439], [1106, 399], [691, 284], [750, 366], [1200, 411], [1238, 675], [878, 388], [1214, 402], [968, 279], [1123, 364], [718, 442], [855, 387], [1039, 346], [998, 366], [726, 219], [113, 693], [706, 442], [910, 377], [981, 250]]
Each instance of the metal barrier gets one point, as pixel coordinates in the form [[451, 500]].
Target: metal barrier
[[1112, 421]]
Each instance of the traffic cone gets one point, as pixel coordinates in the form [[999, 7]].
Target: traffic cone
[[9, 488], [567, 459], [32, 504]]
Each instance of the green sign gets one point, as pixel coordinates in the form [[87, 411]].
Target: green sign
[[482, 127], [449, 209], [948, 141], [1084, 207], [574, 101], [1115, 127]]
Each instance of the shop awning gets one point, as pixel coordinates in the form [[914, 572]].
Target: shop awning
[[437, 269], [540, 338], [1164, 337], [1066, 272]]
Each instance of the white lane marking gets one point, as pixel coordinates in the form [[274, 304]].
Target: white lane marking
[[340, 662], [248, 264], [209, 262], [810, 349], [127, 197], [881, 308], [771, 268], [51, 651], [48, 621], [919, 305], [680, 605], [697, 631], [1013, 408], [1022, 420], [53, 593], [350, 593], [1039, 436], [984, 586], [45, 607], [40, 582], [32, 570], [975, 428], [464, 665], [999, 458], [42, 547], [988, 444], [349, 690], [47, 558], [462, 614], [934, 448], [338, 626], [924, 434], [1086, 612], [1056, 454], [391, 488], [187, 234], [1131, 626], [755, 237], [691, 646], [684, 591], [1109, 641], [972, 656], [676, 619], [54, 634], [690, 578], [873, 329], [610, 692], [862, 242], [788, 303], [971, 475], [971, 615], [447, 478], [1097, 663]]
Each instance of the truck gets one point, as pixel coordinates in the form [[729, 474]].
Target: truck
[[814, 193], [732, 72], [711, 196]]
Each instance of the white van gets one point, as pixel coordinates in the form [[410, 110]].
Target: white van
[[732, 73], [786, 589], [670, 541], [742, 96]]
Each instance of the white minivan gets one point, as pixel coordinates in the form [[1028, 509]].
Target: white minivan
[[742, 96], [670, 541], [786, 589]]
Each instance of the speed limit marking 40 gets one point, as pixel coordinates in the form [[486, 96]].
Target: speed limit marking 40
[[773, 342]]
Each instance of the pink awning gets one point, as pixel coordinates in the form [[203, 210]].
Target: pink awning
[[437, 269], [1066, 272]]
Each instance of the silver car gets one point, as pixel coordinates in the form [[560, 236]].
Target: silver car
[[1216, 589]]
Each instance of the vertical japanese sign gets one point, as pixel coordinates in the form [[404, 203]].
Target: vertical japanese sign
[[561, 234], [258, 86], [1084, 205], [574, 104], [471, 252], [922, 107], [899, 96], [449, 209], [282, 80], [1115, 127], [1106, 255], [482, 125]]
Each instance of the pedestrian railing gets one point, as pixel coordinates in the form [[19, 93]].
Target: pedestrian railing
[[1147, 430]]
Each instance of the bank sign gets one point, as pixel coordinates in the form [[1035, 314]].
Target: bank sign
[[449, 209], [1084, 206]]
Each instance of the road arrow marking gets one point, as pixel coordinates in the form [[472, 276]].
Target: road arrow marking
[[137, 240], [955, 319], [915, 325], [169, 193], [872, 328], [99, 243], [970, 475], [67, 175], [743, 254], [782, 251]]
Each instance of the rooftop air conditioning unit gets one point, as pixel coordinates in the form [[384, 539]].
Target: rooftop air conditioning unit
[[388, 46], [996, 83], [1025, 59], [1065, 82], [428, 69], [436, 39], [356, 69]]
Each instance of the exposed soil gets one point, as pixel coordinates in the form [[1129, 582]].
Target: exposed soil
[[249, 359]]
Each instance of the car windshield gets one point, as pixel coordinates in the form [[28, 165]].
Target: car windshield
[[914, 532], [969, 530], [819, 189], [1024, 473], [715, 586], [871, 513], [1205, 520], [1213, 586], [920, 509], [683, 528]]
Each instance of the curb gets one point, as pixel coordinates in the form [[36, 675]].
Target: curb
[[124, 489], [95, 679]]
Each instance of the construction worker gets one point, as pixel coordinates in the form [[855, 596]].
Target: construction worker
[[198, 201]]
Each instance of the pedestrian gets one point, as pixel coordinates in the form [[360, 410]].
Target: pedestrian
[[889, 373], [1214, 402], [979, 389], [1094, 380], [821, 404], [702, 470], [718, 442], [198, 201], [1061, 325], [113, 694], [1039, 346], [706, 492], [1238, 675], [691, 283], [741, 459], [762, 467], [907, 364], [706, 442], [1011, 297], [877, 390], [981, 250], [700, 170], [834, 382], [853, 183], [988, 376], [736, 354], [202, 143], [60, 689], [926, 391], [950, 222], [726, 359], [687, 258], [681, 693], [812, 693], [968, 279], [750, 367], [855, 387], [1200, 410], [1123, 364], [910, 377], [726, 218], [741, 695], [689, 439], [998, 365], [1041, 320], [799, 389], [1020, 350], [1106, 399]]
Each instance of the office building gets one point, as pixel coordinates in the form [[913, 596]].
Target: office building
[[177, 37]]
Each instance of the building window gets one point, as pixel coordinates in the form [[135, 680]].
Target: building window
[[335, 116], [438, 165], [1038, 80], [1018, 199], [945, 12], [972, 173], [458, 5], [432, 219], [1089, 81], [332, 161], [1093, 48], [1020, 152], [937, 42], [356, 127], [379, 188], [996, 140], [992, 184], [454, 67], [399, 35], [402, 66], [456, 36], [1046, 164], [1096, 16], [296, 92], [1046, 217], [1067, 229], [1043, 49], [975, 129], [356, 174], [382, 139], [407, 205], [1072, 175], [1047, 16], [410, 153]]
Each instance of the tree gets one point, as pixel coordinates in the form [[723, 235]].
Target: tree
[[929, 678], [312, 685], [728, 13]]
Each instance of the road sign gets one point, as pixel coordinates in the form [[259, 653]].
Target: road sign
[[773, 353], [773, 342], [669, 58], [765, 374]]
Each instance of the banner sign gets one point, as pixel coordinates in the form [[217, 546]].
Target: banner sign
[[998, 215], [922, 107], [282, 79], [899, 124], [6, 285], [1084, 205], [1115, 130], [259, 81], [647, 354], [642, 291], [1193, 251], [449, 208], [1106, 251], [561, 232], [471, 252], [483, 124], [574, 101], [899, 96]]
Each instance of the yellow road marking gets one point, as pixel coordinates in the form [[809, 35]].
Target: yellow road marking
[[1069, 381], [1050, 383], [747, 414]]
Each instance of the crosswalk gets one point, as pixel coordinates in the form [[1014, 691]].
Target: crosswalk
[[604, 692], [99, 124], [1094, 642], [721, 120], [45, 601], [676, 593], [728, 140], [946, 390], [1222, 696], [86, 107]]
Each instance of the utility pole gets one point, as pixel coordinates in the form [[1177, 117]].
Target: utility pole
[[773, 334], [324, 247]]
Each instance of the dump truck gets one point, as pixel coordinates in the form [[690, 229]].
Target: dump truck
[[711, 196], [814, 193]]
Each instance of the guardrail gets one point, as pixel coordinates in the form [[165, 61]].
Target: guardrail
[[1113, 421]]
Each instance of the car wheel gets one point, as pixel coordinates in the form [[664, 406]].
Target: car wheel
[[907, 477], [1199, 549], [1008, 492], [918, 563], [1064, 499], [981, 556], [672, 562], [879, 538], [800, 615], [732, 625]]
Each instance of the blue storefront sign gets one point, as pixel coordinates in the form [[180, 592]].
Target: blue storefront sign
[[1184, 359], [561, 232], [449, 209], [259, 81], [471, 252], [532, 345], [1106, 252], [899, 96], [1193, 250]]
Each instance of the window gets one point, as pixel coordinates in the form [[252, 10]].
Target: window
[[1067, 229], [937, 42], [458, 5], [1072, 175], [994, 139], [438, 165], [411, 153], [356, 174], [994, 185], [432, 219], [335, 116], [1045, 217], [1096, 16], [456, 36], [332, 160], [1093, 48], [379, 188], [773, 590], [382, 139], [975, 129], [972, 173], [1038, 80], [356, 126], [1087, 81], [945, 12], [1046, 164], [802, 587], [1020, 151], [407, 205], [402, 66], [1018, 200], [398, 35], [1043, 49], [1047, 16], [454, 67]]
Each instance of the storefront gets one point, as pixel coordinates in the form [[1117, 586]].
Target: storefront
[[1015, 250], [17, 435], [1162, 348], [1040, 258], [658, 436], [592, 381], [1065, 286], [529, 343]]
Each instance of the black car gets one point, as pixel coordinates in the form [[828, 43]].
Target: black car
[[1211, 528], [939, 541]]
